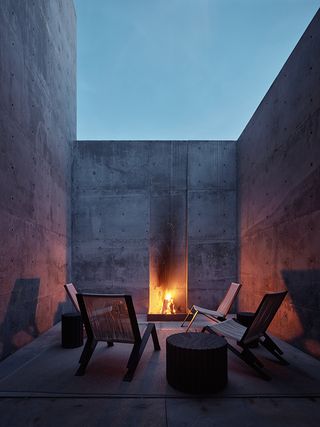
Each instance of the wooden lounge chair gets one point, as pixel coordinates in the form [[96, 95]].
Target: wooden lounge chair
[[222, 310], [257, 330], [112, 318], [72, 294]]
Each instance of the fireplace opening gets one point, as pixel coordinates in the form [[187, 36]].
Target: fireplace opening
[[168, 285], [167, 305], [168, 244]]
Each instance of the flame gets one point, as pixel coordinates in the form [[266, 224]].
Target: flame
[[168, 306], [165, 299]]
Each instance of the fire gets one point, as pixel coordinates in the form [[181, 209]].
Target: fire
[[168, 306], [168, 296]]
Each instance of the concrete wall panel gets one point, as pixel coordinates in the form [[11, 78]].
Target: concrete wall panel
[[279, 196], [212, 166], [212, 261], [212, 215], [168, 165], [134, 214], [212, 227], [130, 166], [123, 217], [37, 127]]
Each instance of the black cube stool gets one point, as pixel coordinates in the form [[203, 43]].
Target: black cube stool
[[245, 318], [197, 362], [71, 330]]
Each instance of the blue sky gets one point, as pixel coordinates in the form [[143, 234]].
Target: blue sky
[[180, 69]]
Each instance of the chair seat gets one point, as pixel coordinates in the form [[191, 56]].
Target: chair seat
[[229, 328], [215, 315], [208, 312]]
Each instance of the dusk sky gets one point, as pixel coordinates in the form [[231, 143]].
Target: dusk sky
[[180, 69]]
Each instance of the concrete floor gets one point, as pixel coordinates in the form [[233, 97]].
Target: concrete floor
[[38, 388]]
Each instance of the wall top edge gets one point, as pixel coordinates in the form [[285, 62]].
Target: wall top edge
[[286, 70], [154, 140]]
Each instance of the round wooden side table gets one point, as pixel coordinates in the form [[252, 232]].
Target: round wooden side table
[[196, 362]]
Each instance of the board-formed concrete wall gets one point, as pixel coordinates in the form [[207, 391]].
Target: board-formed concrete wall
[[133, 198], [37, 127], [279, 196]]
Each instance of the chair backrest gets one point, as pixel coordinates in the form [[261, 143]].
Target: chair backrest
[[263, 316], [72, 294], [109, 317], [229, 298]]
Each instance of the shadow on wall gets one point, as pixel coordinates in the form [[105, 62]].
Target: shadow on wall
[[65, 306], [19, 325], [304, 290]]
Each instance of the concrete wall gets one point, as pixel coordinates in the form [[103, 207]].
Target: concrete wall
[[141, 202], [168, 175], [212, 218], [279, 196], [37, 125]]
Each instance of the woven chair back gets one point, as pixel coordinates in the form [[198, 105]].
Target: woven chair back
[[264, 315], [229, 298], [72, 294], [109, 317]]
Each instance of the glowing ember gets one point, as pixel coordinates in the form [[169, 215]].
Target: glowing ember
[[168, 306]]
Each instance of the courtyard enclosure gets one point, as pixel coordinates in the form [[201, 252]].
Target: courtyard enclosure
[[150, 217]]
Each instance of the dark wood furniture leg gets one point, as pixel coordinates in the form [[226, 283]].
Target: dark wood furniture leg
[[86, 355]]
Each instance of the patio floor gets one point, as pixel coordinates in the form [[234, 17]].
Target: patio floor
[[38, 388]]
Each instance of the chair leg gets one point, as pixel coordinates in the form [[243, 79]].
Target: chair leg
[[246, 355], [85, 350], [137, 351], [135, 357], [250, 359], [192, 320], [272, 347], [86, 355], [186, 318], [155, 339], [133, 354]]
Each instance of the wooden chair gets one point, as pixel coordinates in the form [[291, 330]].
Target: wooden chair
[[257, 330], [72, 294], [112, 318], [222, 310]]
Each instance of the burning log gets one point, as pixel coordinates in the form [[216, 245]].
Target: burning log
[[168, 306]]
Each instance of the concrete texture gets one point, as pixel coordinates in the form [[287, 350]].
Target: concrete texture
[[212, 220], [155, 211], [37, 125], [279, 196], [153, 412], [110, 218], [38, 387]]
